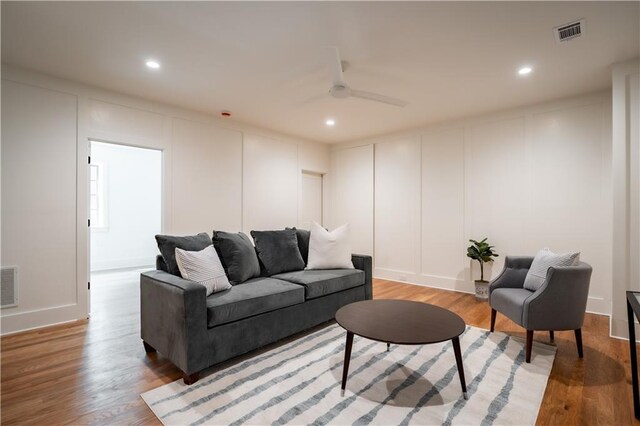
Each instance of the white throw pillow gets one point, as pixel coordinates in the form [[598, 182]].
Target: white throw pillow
[[541, 264], [203, 267], [329, 250]]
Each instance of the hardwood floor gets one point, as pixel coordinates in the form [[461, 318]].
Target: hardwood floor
[[94, 371]]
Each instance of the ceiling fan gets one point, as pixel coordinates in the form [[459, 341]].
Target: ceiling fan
[[340, 89]]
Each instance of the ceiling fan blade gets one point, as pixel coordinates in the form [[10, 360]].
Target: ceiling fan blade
[[378, 98], [338, 76], [314, 99]]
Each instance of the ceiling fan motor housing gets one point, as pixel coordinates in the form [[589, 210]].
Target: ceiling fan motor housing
[[340, 91]]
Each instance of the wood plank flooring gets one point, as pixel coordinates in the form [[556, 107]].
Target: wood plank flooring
[[92, 372]]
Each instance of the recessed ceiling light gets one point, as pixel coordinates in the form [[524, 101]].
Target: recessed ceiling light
[[153, 64], [525, 70], [330, 122]]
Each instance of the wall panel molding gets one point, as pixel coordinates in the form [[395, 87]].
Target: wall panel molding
[[527, 178], [139, 122]]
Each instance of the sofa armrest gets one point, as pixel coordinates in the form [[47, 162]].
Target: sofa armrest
[[365, 263], [561, 301], [173, 318]]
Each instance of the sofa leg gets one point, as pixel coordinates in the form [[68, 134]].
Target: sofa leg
[[579, 341], [148, 348], [493, 319], [551, 337], [528, 346], [190, 379]]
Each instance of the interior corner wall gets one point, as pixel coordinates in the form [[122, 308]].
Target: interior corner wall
[[626, 191], [527, 178], [211, 178]]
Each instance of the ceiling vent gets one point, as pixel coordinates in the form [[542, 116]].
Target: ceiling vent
[[8, 287], [569, 31]]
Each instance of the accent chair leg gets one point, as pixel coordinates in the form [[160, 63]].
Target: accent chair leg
[[148, 348], [551, 337], [493, 319], [528, 346], [579, 342], [190, 379]]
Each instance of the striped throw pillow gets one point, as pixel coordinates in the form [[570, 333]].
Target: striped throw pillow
[[541, 264], [203, 267]]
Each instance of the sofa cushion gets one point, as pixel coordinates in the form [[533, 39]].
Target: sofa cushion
[[510, 302], [167, 245], [303, 237], [544, 260], [278, 251], [329, 250], [203, 267], [238, 256], [318, 283], [253, 297]]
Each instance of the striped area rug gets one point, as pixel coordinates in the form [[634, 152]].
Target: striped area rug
[[299, 383]]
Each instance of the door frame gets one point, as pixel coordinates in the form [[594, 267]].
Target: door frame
[[87, 196]]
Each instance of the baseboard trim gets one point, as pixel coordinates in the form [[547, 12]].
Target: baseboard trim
[[619, 329], [106, 265], [24, 321], [432, 281], [598, 305]]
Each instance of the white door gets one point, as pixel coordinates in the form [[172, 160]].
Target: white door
[[311, 200]]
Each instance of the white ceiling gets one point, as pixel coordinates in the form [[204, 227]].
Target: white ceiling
[[264, 61]]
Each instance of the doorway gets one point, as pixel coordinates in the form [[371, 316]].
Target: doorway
[[311, 199], [125, 212]]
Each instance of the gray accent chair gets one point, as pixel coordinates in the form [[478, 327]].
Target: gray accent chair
[[195, 331], [559, 304]]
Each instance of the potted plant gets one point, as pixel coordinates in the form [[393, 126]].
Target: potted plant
[[483, 253]]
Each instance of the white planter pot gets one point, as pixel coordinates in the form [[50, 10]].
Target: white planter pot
[[482, 290]]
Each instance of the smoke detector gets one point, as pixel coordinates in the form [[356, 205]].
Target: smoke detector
[[569, 31]]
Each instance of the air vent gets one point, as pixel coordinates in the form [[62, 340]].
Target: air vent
[[8, 287], [569, 31]]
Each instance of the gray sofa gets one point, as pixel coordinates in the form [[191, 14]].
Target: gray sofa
[[195, 331]]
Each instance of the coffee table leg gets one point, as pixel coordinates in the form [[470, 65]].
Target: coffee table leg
[[388, 346], [347, 358], [458, 353]]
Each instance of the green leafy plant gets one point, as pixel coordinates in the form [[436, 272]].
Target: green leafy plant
[[482, 252]]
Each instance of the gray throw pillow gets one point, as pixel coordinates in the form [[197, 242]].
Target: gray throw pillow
[[238, 256], [167, 245], [278, 251], [544, 260], [303, 237]]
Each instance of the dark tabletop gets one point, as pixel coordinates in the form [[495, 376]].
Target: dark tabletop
[[400, 321]]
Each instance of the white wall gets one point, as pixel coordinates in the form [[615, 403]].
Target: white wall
[[397, 206], [533, 177], [132, 196], [351, 189], [207, 177], [46, 126], [39, 202], [626, 190], [271, 179], [310, 200]]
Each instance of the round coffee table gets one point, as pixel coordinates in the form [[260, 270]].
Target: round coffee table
[[401, 322]]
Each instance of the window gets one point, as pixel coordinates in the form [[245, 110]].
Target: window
[[97, 202]]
